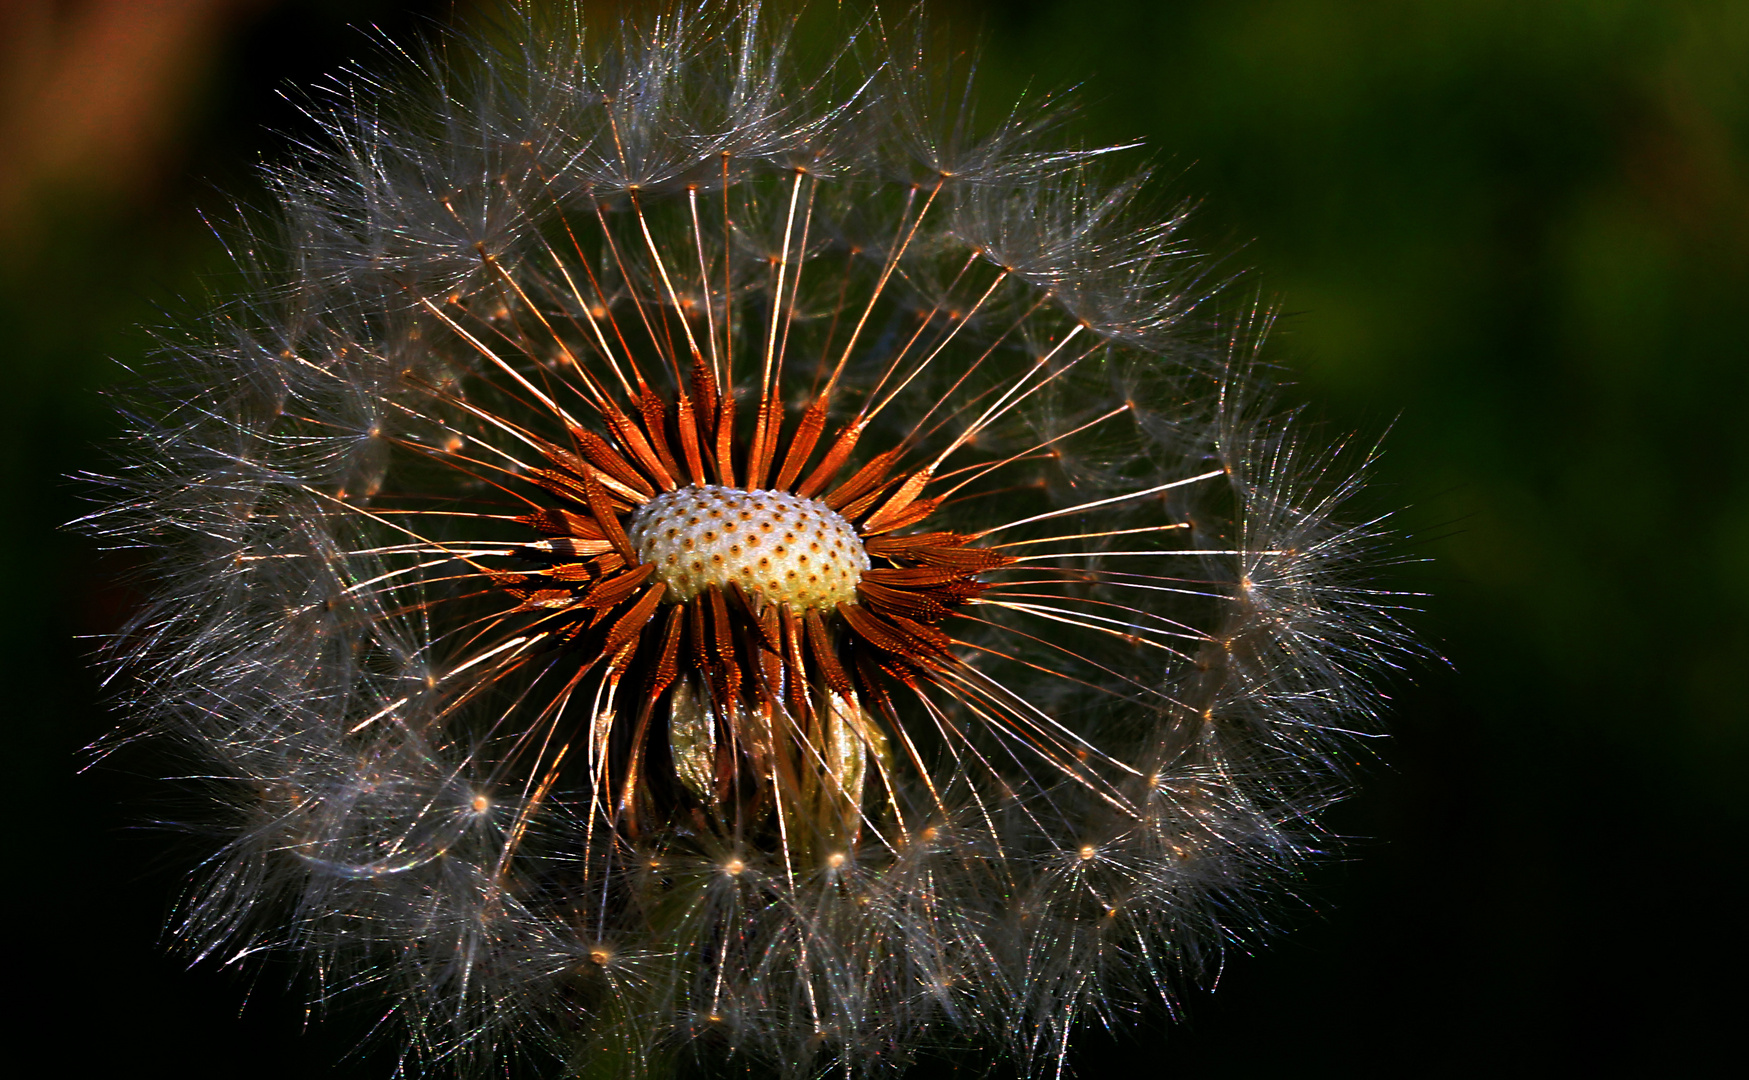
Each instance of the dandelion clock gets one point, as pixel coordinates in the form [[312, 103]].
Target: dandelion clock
[[690, 552]]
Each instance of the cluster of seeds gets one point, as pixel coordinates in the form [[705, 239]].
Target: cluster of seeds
[[784, 548]]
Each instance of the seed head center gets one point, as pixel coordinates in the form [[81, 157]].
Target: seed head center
[[784, 548]]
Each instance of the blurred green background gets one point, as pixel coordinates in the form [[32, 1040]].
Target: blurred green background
[[1514, 233]]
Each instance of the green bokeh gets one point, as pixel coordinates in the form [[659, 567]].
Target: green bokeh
[[1516, 234], [1523, 230]]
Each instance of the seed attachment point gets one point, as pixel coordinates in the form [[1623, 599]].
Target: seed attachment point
[[780, 547]]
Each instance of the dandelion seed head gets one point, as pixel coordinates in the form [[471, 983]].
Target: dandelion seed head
[[683, 544]]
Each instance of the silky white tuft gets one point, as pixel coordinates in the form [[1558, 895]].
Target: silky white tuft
[[1084, 640]]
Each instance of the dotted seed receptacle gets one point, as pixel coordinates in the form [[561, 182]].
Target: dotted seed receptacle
[[784, 548]]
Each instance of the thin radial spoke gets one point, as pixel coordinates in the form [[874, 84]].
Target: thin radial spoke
[[923, 324], [1090, 535], [704, 280], [1079, 507], [632, 291], [959, 324], [961, 407], [499, 362], [1167, 551], [1017, 632], [764, 431], [1039, 739], [667, 283], [1172, 627], [586, 310], [795, 288], [1067, 617], [1003, 404], [1037, 719], [881, 285], [981, 470], [953, 742]]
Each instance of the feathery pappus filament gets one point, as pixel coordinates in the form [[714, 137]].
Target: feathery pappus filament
[[681, 552]]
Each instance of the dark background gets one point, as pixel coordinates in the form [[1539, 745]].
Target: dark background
[[1516, 233]]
